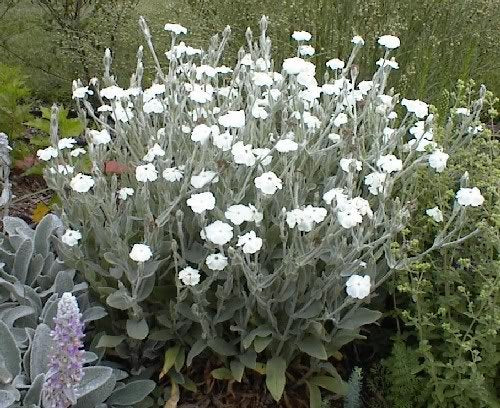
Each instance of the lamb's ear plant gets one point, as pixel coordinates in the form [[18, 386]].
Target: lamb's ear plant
[[33, 280], [251, 211]]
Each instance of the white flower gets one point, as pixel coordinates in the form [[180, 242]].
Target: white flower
[[173, 174], [262, 79], [243, 154], [250, 242], [140, 253], [435, 213], [66, 143], [296, 65], [335, 63], [419, 108], [257, 216], [81, 183], [389, 163], [286, 145], [375, 182], [358, 286], [306, 50], [205, 177], [340, 119], [223, 141], [216, 262], [301, 36], [125, 192], [389, 41], [306, 218], [77, 152], [365, 86], [71, 237], [81, 92], [113, 92], [345, 164], [200, 94], [470, 197], [437, 160], [151, 92], [175, 28], [100, 137], [334, 137], [268, 183], [462, 111], [348, 215], [392, 115], [239, 213], [47, 154], [262, 154], [206, 70], [218, 232], [335, 193], [153, 152], [201, 202], [258, 112], [201, 133], [388, 63], [233, 119], [189, 276], [362, 205], [153, 106], [358, 40], [146, 172]]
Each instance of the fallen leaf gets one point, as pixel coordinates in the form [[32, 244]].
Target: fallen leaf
[[40, 211], [25, 163]]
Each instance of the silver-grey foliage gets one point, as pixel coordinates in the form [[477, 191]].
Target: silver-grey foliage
[[323, 207], [32, 280]]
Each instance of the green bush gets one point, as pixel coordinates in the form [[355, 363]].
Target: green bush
[[14, 108], [450, 301]]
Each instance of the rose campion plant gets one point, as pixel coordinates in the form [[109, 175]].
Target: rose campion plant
[[253, 195]]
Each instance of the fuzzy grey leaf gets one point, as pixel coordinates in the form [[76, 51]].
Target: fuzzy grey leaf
[[93, 313], [313, 346], [11, 315], [35, 269], [7, 399], [359, 318], [110, 341], [43, 231], [196, 349], [222, 347], [64, 281], [22, 261], [34, 394], [42, 343], [120, 300], [9, 351], [137, 329], [132, 393], [96, 386]]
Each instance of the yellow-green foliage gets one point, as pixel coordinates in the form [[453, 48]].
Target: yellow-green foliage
[[450, 302]]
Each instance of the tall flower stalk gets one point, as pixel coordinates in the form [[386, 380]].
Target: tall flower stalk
[[66, 357]]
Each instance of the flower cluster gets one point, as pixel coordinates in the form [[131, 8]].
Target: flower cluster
[[66, 356]]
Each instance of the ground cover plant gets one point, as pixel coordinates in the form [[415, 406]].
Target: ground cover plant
[[251, 211]]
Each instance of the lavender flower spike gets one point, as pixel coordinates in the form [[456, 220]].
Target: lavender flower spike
[[66, 357]]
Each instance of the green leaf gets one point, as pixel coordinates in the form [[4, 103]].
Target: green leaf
[[169, 359], [237, 369], [132, 393], [249, 358], [110, 341], [137, 329], [222, 347], [189, 385], [311, 311], [196, 349], [313, 346], [222, 373], [260, 343], [359, 318], [331, 384], [275, 377], [314, 395], [262, 331]]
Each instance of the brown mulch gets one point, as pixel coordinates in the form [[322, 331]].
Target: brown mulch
[[27, 192]]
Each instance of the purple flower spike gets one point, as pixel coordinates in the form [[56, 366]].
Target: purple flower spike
[[66, 357]]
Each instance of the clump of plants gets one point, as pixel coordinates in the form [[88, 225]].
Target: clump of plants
[[252, 210], [449, 300]]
